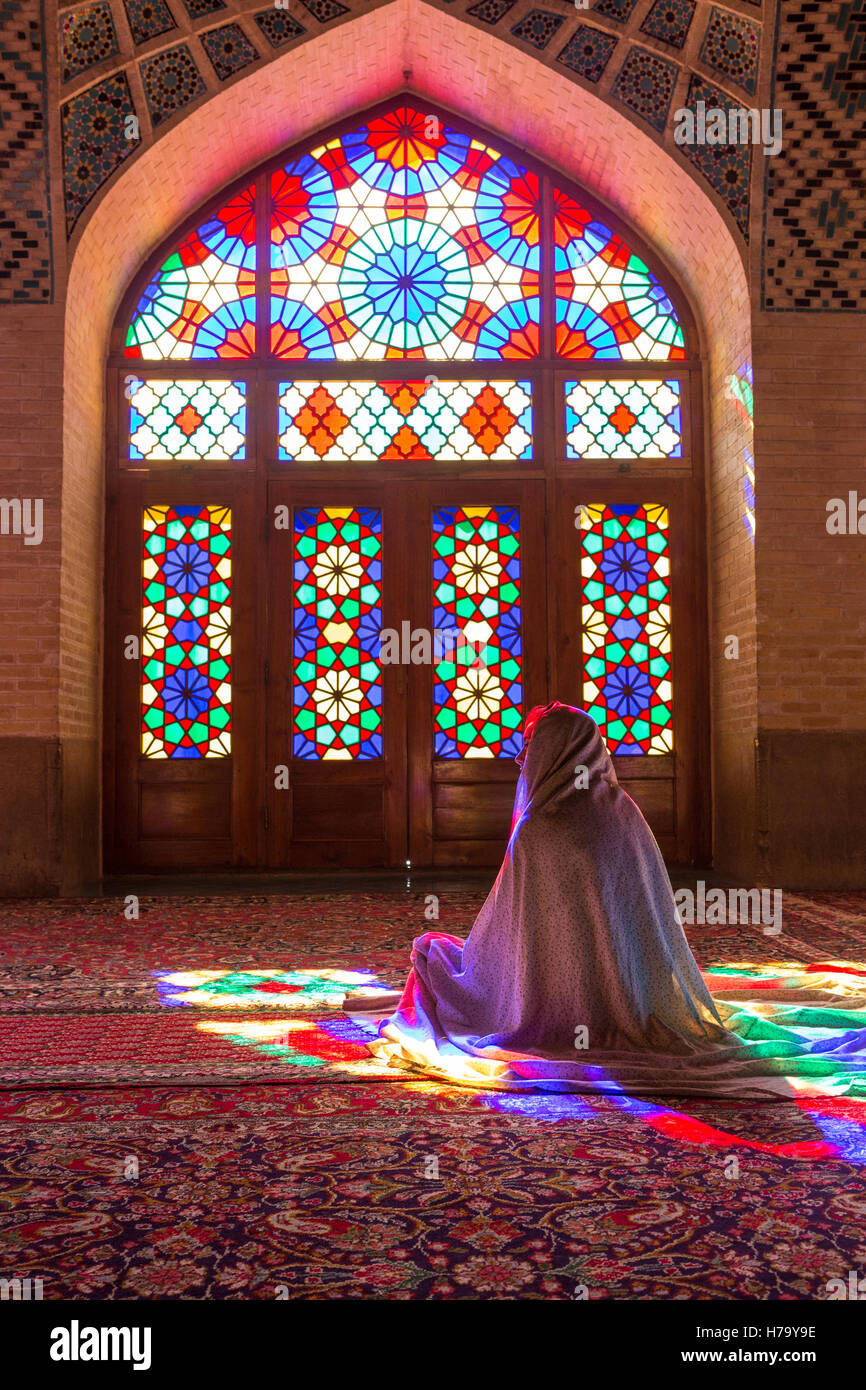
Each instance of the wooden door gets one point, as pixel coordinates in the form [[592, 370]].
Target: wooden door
[[422, 789], [336, 729], [669, 780], [431, 785], [183, 574], [478, 570]]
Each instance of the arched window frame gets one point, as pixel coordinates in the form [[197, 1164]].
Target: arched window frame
[[566, 479], [546, 370]]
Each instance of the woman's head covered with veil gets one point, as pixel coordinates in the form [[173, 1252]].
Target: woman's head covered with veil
[[563, 754]]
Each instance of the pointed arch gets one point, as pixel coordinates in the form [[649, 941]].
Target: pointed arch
[[623, 166]]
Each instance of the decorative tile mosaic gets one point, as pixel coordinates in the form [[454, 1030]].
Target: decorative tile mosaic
[[94, 140], [727, 168], [325, 10], [148, 19], [229, 49], [26, 270], [87, 37], [491, 11], [646, 82], [196, 9], [732, 48], [615, 9], [815, 191], [588, 51], [670, 20], [538, 27], [171, 81], [278, 27]]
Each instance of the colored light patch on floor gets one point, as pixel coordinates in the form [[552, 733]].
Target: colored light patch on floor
[[840, 978], [837, 1138], [301, 1043], [805, 1034], [259, 989]]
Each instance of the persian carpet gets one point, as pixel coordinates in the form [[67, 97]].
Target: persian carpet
[[146, 1153]]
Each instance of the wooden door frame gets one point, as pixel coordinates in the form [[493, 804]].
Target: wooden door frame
[[252, 479]]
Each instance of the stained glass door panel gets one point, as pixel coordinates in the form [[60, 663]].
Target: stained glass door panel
[[628, 638], [478, 587], [336, 732], [177, 795]]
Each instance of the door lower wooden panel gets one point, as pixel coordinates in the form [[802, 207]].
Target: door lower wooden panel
[[194, 809], [472, 806], [339, 822]]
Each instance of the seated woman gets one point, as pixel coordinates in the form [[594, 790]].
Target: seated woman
[[577, 975]]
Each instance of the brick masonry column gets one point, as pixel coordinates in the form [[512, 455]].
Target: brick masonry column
[[31, 370], [810, 435], [50, 612]]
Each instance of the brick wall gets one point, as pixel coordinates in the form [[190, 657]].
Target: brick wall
[[810, 440], [31, 367], [811, 434]]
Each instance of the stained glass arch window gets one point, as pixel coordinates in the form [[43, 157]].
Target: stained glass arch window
[[405, 237], [407, 293]]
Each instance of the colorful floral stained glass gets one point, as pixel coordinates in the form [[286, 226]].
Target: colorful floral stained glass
[[202, 301], [608, 303], [404, 239], [186, 632], [367, 421], [626, 625], [187, 420], [337, 633], [623, 419], [477, 690]]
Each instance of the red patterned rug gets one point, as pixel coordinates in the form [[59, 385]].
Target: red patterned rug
[[146, 1152]]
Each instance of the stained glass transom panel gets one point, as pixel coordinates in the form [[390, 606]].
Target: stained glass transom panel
[[608, 302], [623, 419], [626, 625], [405, 238], [366, 421], [477, 693], [337, 633], [202, 300], [187, 420], [186, 695]]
